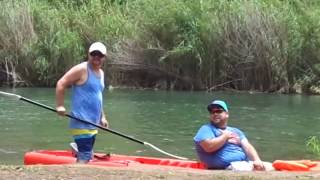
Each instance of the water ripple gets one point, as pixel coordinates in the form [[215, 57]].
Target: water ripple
[[7, 151]]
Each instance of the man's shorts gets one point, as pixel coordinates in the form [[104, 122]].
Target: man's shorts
[[248, 166], [85, 144]]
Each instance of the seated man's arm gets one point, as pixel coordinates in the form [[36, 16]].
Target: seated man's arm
[[214, 144], [250, 150], [252, 154]]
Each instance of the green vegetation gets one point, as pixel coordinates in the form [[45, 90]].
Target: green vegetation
[[313, 145], [265, 45]]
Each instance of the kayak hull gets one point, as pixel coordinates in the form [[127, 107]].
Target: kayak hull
[[51, 157], [296, 165], [54, 157]]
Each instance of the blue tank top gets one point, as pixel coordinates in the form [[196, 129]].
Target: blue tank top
[[86, 102]]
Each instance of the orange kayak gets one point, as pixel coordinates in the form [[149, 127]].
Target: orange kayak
[[296, 165], [50, 157]]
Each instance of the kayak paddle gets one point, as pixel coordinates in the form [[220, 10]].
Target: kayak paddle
[[18, 97]]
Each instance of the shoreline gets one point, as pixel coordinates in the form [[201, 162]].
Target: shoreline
[[76, 171]]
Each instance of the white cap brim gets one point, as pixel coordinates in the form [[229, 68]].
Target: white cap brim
[[98, 46]]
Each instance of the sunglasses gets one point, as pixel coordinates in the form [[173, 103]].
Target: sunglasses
[[96, 53], [217, 111]]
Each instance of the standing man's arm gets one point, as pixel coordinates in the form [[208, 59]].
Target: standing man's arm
[[252, 154], [104, 122], [73, 76]]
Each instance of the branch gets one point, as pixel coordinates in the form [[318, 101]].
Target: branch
[[222, 84]]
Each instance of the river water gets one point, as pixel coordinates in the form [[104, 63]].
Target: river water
[[277, 125]]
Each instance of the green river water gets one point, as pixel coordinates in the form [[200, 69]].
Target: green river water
[[277, 125]]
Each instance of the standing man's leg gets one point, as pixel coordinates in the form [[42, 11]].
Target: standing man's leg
[[85, 145]]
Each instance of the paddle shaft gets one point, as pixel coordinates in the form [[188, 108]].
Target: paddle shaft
[[17, 97], [81, 120]]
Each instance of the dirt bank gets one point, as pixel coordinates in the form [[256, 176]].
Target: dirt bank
[[95, 172]]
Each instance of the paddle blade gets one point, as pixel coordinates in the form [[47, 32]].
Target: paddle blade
[[10, 95]]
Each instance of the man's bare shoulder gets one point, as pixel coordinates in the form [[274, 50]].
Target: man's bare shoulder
[[76, 71], [81, 66]]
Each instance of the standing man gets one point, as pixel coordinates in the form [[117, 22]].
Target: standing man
[[220, 146], [87, 82]]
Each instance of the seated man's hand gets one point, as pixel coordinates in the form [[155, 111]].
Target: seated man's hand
[[258, 166], [232, 137]]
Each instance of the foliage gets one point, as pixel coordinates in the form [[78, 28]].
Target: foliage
[[266, 45], [313, 145]]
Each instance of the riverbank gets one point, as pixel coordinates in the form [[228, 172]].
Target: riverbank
[[97, 172]]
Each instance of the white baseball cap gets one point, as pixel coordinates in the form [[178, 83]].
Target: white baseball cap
[[98, 46]]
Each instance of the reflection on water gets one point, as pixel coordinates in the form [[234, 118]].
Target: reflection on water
[[277, 125], [7, 151]]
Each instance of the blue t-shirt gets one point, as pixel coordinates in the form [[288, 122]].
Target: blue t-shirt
[[228, 153]]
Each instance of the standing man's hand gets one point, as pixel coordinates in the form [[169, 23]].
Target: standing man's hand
[[61, 110], [104, 122]]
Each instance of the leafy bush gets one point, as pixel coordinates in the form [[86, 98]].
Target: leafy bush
[[265, 45], [313, 145]]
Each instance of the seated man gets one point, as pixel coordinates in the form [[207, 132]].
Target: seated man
[[220, 146]]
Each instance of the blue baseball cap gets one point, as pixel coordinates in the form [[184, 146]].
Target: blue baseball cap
[[219, 104]]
